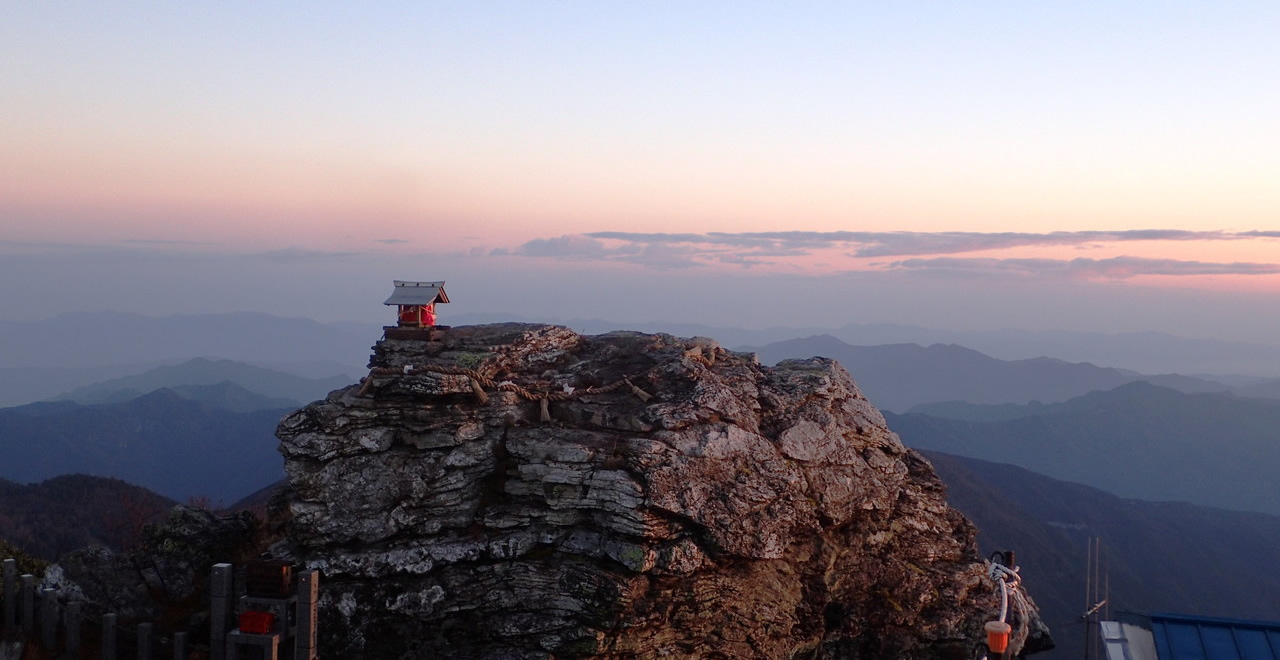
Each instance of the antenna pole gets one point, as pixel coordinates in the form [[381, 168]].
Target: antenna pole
[[1086, 638], [1094, 598], [1097, 590], [1106, 598], [1088, 598]]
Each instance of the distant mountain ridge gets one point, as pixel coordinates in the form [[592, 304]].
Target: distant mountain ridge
[[225, 395], [278, 390], [97, 339], [174, 446], [900, 376], [22, 385], [1137, 393], [1138, 441], [85, 339], [1146, 352], [1265, 390]]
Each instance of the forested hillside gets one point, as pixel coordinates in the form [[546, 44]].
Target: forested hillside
[[56, 516]]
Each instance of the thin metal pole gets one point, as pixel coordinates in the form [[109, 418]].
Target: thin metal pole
[[1088, 594], [1097, 590]]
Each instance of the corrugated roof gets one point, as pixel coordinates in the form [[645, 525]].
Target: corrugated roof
[[417, 293], [1180, 637], [1126, 641]]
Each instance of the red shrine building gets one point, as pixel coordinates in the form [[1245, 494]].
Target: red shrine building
[[416, 302]]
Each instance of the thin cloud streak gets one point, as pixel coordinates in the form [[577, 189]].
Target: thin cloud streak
[[572, 246], [167, 242], [576, 247], [889, 244], [751, 249], [1113, 268], [918, 243], [301, 254]]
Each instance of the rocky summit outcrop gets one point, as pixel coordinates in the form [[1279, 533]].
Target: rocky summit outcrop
[[521, 491]]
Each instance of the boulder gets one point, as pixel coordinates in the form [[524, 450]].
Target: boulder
[[521, 491]]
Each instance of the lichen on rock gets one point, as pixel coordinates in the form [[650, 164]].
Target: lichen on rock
[[522, 491]]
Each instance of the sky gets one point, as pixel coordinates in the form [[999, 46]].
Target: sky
[[1103, 166]]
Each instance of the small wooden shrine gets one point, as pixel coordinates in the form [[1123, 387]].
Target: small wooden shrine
[[416, 302]]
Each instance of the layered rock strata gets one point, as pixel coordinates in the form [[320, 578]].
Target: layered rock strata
[[521, 491]]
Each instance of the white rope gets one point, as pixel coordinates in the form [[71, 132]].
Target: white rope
[[1004, 576], [1004, 601], [1010, 583]]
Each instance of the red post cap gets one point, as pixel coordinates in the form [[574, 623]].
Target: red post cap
[[998, 636]]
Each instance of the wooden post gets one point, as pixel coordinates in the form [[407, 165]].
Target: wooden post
[[144, 641], [304, 643], [28, 603], [220, 591], [109, 637], [49, 618], [10, 586], [180, 646], [73, 628]]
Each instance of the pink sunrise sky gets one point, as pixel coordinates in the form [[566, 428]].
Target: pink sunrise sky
[[985, 153]]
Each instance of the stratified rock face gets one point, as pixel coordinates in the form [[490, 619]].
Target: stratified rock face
[[670, 499]]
